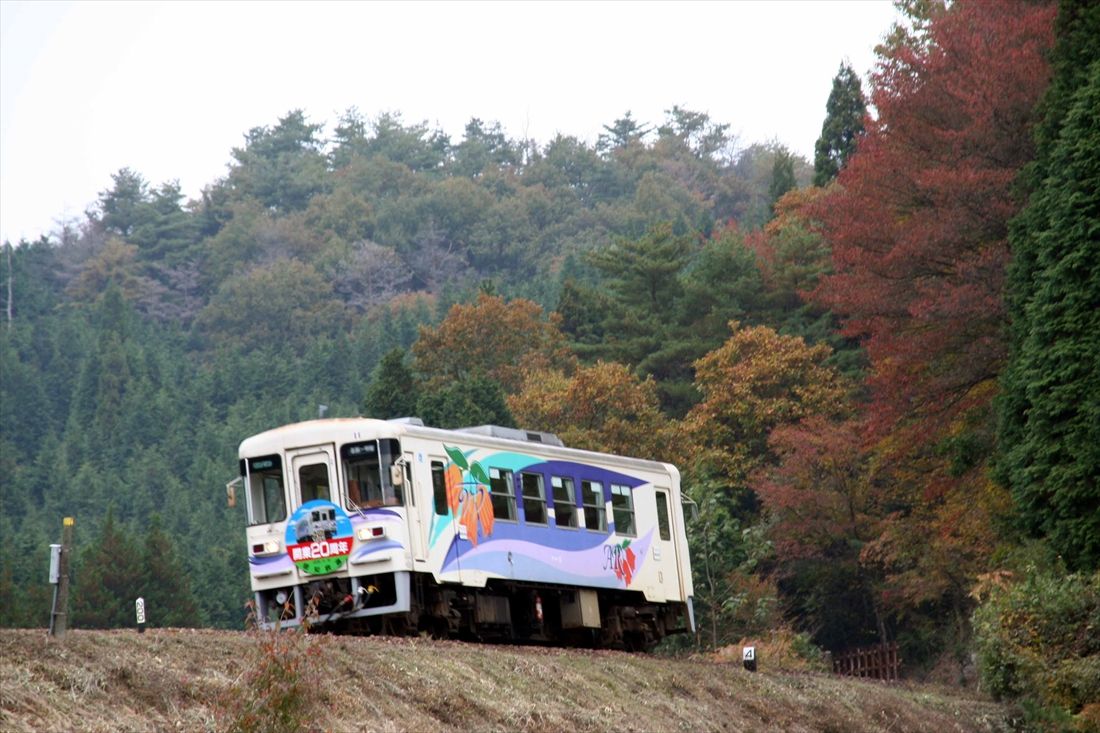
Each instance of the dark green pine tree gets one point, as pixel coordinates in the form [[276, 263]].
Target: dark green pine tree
[[392, 391], [1049, 432], [476, 400], [583, 311], [843, 125], [622, 133], [281, 167], [125, 207], [108, 580], [643, 271], [636, 322], [783, 179], [163, 582]]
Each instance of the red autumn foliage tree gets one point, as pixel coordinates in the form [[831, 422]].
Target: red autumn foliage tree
[[918, 224], [819, 496], [824, 509]]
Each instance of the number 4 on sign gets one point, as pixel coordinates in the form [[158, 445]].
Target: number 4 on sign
[[748, 658]]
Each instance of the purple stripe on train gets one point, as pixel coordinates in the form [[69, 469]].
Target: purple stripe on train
[[376, 547], [602, 564]]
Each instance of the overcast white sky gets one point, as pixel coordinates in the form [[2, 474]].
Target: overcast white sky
[[169, 88]]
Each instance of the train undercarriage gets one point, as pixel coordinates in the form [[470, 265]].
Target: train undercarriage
[[405, 604]]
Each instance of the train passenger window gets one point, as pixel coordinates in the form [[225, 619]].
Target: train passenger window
[[503, 494], [662, 516], [267, 500], [595, 511], [534, 498], [622, 507], [565, 501], [313, 481], [439, 487]]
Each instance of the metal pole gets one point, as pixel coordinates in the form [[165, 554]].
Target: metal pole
[[53, 609], [59, 624]]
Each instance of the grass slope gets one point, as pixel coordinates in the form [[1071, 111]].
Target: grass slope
[[173, 679]]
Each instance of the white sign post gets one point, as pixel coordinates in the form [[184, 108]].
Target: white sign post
[[139, 606], [748, 658]]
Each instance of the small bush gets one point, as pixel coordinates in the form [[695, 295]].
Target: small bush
[[1038, 642], [272, 695]]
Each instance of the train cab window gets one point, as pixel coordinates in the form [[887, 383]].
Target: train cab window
[[313, 481], [367, 471], [266, 497], [662, 516], [503, 494], [622, 507], [439, 487], [534, 498], [595, 511], [565, 501]]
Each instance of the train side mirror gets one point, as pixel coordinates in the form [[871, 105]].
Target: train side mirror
[[691, 509], [231, 492], [397, 475]]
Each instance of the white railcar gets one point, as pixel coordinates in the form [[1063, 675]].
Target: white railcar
[[488, 532]]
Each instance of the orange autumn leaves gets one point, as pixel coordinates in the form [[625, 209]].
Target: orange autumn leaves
[[468, 495], [502, 339]]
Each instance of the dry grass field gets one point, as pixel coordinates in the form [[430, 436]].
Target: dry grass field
[[196, 680]]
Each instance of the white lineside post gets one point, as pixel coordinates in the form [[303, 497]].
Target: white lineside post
[[55, 577], [59, 615], [748, 658], [139, 609]]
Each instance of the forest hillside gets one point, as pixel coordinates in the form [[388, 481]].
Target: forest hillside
[[877, 371]]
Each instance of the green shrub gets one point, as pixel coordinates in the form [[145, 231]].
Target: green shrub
[[1038, 642]]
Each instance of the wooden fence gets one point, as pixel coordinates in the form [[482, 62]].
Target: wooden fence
[[878, 662]]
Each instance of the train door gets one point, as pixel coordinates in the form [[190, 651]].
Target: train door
[[441, 518], [414, 510], [313, 472], [665, 548]]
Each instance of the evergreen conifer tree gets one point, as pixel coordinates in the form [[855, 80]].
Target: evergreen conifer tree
[[392, 391], [1050, 407], [164, 584], [782, 177], [108, 580], [475, 400], [843, 124]]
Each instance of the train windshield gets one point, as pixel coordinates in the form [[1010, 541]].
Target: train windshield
[[367, 472], [266, 497]]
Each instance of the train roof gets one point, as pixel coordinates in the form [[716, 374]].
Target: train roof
[[327, 430]]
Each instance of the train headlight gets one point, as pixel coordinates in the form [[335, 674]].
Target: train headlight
[[281, 597], [370, 533], [265, 548]]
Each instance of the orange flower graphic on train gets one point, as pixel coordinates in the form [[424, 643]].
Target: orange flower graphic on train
[[468, 495]]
